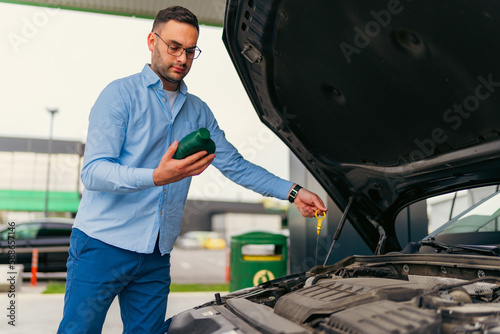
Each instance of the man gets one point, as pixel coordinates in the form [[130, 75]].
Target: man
[[135, 192]]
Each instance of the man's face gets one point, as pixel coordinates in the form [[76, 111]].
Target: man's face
[[172, 69]]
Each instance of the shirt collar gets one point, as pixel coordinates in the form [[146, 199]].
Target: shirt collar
[[153, 79]]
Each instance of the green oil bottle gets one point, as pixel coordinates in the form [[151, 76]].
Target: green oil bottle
[[196, 141]]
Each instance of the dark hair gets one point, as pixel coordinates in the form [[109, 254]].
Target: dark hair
[[176, 13]]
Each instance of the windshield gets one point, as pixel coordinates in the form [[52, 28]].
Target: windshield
[[478, 225]]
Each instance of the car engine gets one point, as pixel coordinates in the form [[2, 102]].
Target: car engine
[[364, 295]]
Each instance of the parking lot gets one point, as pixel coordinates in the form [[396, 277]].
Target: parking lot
[[198, 266], [40, 313]]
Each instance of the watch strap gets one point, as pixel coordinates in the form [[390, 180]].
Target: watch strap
[[293, 193]]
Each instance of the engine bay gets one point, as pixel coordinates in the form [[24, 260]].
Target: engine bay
[[402, 294]]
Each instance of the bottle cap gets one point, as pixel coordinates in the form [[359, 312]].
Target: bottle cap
[[203, 134]]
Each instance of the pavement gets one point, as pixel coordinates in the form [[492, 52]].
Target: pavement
[[39, 313], [34, 312]]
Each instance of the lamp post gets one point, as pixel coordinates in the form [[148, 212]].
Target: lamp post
[[52, 112]]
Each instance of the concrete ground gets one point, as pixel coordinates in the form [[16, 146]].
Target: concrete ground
[[40, 313]]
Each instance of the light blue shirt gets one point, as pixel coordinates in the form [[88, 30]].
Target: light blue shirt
[[131, 126]]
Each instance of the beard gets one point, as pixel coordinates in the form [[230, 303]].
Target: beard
[[164, 73], [162, 68]]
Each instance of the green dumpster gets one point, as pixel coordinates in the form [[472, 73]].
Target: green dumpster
[[257, 257]]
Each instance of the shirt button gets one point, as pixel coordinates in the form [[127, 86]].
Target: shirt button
[[164, 100], [160, 213], [164, 191]]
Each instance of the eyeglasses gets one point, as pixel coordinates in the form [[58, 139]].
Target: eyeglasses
[[176, 51]]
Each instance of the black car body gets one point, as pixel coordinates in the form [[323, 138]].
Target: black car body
[[50, 236], [386, 103]]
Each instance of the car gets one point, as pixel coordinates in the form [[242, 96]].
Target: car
[[387, 104], [215, 242], [189, 240], [49, 235], [201, 239]]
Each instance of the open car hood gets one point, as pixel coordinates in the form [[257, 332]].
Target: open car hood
[[387, 102]]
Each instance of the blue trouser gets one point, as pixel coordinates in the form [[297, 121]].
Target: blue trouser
[[98, 272]]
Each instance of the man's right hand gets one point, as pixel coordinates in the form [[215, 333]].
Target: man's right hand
[[172, 170]]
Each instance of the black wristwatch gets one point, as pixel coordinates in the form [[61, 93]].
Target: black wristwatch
[[293, 193]]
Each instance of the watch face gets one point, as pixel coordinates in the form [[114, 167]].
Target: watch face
[[293, 193]]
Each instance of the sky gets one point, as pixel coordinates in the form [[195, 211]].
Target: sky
[[54, 58]]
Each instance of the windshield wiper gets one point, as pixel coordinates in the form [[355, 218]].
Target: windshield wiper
[[478, 249]]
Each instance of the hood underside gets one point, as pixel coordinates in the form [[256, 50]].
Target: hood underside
[[387, 102]]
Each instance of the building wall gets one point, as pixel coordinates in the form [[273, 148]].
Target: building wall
[[198, 214]]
